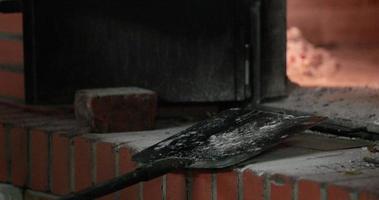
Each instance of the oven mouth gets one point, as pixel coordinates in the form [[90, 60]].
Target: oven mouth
[[332, 66]]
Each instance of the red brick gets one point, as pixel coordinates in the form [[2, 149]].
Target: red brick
[[11, 23], [127, 165], [105, 165], [227, 185], [368, 196], [12, 84], [11, 52], [152, 189], [338, 193], [83, 163], [281, 187], [309, 190], [252, 186], [201, 186], [116, 109], [19, 156], [60, 164], [3, 155], [176, 186], [39, 160]]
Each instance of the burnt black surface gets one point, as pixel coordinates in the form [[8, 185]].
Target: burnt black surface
[[272, 75], [10, 6], [187, 50], [227, 139]]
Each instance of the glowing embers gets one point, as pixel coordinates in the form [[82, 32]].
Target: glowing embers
[[340, 66], [307, 64]]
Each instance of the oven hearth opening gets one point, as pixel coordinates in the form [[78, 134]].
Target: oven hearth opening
[[333, 62], [333, 43], [338, 65]]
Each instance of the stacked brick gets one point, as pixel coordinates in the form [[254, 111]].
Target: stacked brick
[[120, 109]]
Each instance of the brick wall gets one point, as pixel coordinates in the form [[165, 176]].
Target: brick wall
[[336, 21], [11, 56], [47, 152]]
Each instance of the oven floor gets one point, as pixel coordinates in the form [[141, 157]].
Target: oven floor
[[352, 107], [309, 142]]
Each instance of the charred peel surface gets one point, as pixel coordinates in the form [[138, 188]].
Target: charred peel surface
[[187, 139], [230, 137]]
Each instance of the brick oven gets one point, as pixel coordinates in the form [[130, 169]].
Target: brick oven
[[195, 58]]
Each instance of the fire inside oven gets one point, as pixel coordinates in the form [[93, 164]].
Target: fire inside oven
[[332, 61]]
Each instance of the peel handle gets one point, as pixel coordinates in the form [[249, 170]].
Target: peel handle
[[144, 173]]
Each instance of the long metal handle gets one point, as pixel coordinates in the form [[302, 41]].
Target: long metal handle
[[143, 173]]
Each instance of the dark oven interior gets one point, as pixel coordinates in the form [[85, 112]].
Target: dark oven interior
[[187, 51]]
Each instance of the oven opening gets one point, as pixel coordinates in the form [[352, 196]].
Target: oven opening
[[333, 43], [333, 62]]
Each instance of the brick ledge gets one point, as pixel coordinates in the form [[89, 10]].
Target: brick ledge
[[47, 154]]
